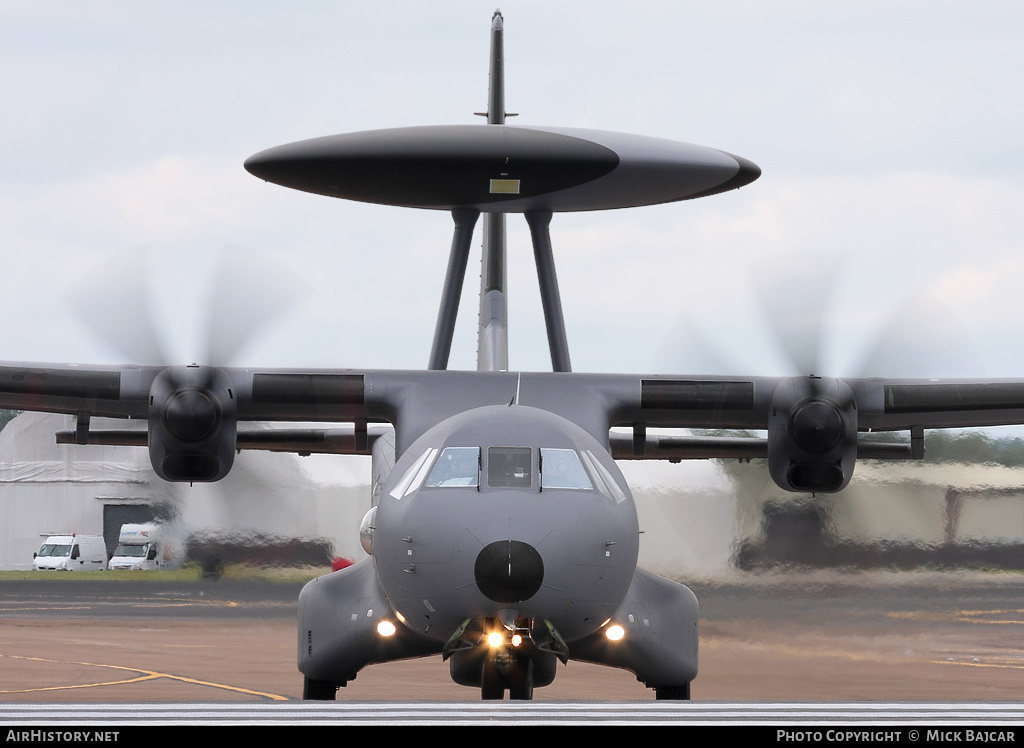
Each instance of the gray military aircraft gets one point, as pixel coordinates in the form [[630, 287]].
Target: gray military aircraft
[[502, 535]]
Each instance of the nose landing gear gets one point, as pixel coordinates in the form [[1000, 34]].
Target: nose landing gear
[[502, 654], [507, 670]]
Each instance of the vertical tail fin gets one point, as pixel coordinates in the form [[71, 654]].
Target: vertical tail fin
[[496, 89], [492, 330]]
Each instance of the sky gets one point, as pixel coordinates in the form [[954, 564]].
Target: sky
[[887, 227]]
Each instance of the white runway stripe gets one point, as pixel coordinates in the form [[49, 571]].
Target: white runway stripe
[[547, 713]]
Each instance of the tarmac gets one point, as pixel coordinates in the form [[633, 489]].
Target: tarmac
[[770, 637]]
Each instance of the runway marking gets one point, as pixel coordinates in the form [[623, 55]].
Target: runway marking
[[964, 616], [857, 656], [147, 604], [858, 715], [997, 665], [820, 649], [48, 607], [147, 675]]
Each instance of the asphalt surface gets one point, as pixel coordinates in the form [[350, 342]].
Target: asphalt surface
[[817, 637]]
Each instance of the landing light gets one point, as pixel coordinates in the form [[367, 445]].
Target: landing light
[[516, 640], [615, 632], [386, 628], [495, 639]]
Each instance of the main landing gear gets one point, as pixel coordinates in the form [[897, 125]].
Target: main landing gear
[[672, 693], [319, 690]]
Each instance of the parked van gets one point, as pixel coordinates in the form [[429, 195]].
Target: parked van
[[71, 553], [142, 547]]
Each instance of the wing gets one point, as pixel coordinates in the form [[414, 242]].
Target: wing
[[194, 413], [814, 425], [197, 415]]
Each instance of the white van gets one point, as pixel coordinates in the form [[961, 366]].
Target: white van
[[71, 553], [140, 547]]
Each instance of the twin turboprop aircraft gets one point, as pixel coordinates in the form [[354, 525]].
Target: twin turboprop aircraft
[[502, 535]]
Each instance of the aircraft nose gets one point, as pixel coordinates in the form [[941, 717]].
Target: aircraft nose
[[509, 571]]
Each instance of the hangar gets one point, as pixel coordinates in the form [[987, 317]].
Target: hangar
[[703, 519], [46, 488]]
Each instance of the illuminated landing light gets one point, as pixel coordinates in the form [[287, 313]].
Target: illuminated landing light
[[495, 639], [516, 640], [386, 628], [615, 632]]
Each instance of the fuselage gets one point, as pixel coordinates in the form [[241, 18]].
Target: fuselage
[[506, 513]]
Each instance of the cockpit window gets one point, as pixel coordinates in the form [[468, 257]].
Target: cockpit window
[[561, 468], [605, 482], [509, 467], [413, 477], [457, 466]]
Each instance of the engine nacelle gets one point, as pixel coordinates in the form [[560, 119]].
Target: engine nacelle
[[812, 434], [193, 424]]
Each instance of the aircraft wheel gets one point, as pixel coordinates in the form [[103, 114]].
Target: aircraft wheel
[[672, 693], [520, 680], [318, 690], [492, 687]]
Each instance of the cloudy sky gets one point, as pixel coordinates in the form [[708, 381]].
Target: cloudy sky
[[891, 204]]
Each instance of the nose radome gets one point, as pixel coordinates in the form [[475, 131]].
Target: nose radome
[[509, 571]]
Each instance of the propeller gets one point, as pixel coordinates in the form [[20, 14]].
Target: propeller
[[812, 437], [112, 300], [794, 292], [250, 291], [921, 337], [192, 419], [811, 316], [247, 291]]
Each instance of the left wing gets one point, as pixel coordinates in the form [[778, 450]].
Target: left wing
[[813, 423]]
